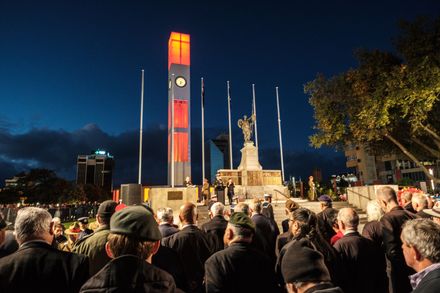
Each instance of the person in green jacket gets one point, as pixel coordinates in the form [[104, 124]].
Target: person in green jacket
[[93, 245]]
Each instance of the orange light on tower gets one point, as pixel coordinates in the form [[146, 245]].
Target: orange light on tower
[[179, 161]]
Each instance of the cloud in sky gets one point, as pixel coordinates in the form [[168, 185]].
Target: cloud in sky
[[58, 150]]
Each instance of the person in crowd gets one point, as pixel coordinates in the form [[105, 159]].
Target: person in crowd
[[304, 270], [219, 188], [421, 249], [3, 227], [166, 222], [332, 218], [391, 223], [215, 228], [434, 213], [263, 230], [243, 208], [290, 206], [406, 201], [239, 265], [304, 225], [266, 207], [324, 225], [188, 182], [373, 228], [58, 231], [93, 245], [72, 236], [134, 238], [192, 245], [358, 255], [84, 226], [37, 266], [206, 193], [420, 202], [231, 193], [9, 244]]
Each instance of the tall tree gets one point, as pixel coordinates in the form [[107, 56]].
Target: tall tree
[[389, 102]]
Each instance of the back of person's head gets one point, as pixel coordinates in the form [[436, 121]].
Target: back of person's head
[[257, 206], [165, 215], [374, 211], [188, 213], [241, 225], [291, 205], [387, 194], [217, 209], [349, 217], [32, 224], [302, 264], [332, 217], [105, 211], [306, 221], [133, 231], [407, 196], [424, 235], [243, 208], [419, 201]]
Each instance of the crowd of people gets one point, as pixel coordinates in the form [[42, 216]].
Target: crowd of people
[[136, 249]]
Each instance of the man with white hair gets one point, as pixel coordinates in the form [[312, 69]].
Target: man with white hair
[[37, 266], [215, 228], [358, 255], [166, 219], [419, 203], [421, 249]]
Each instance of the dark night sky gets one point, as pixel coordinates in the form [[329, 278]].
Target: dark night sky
[[70, 75]]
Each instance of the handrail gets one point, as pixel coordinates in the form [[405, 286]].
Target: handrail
[[282, 193]]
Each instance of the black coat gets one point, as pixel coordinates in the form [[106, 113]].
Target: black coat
[[38, 267], [128, 273], [373, 231], [285, 225], [264, 238], [168, 260], [215, 229], [362, 263], [391, 228], [326, 287], [167, 230], [324, 224], [430, 283], [239, 268], [192, 245]]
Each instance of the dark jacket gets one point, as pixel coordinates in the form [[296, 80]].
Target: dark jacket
[[93, 246], [282, 240], [215, 229], [128, 273], [373, 231], [324, 224], [391, 228], [239, 268], [168, 260], [430, 283], [358, 255], [326, 287], [409, 208], [285, 225], [38, 267], [192, 245], [167, 230]]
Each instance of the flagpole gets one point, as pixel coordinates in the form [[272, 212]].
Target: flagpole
[[172, 130], [140, 129], [279, 133], [230, 132], [202, 98], [254, 110]]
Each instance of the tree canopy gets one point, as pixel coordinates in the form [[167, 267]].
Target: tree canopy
[[389, 102]]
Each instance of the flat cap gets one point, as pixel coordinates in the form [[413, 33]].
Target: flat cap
[[301, 263], [136, 222], [434, 212], [83, 220], [107, 208], [325, 198], [291, 205], [242, 220]]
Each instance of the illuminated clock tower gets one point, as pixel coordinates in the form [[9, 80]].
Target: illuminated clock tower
[[179, 161]]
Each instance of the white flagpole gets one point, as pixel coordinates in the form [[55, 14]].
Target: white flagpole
[[202, 98], [230, 131], [172, 130], [279, 133], [254, 110], [140, 129]]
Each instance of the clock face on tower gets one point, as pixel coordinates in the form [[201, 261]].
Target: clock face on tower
[[180, 81]]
